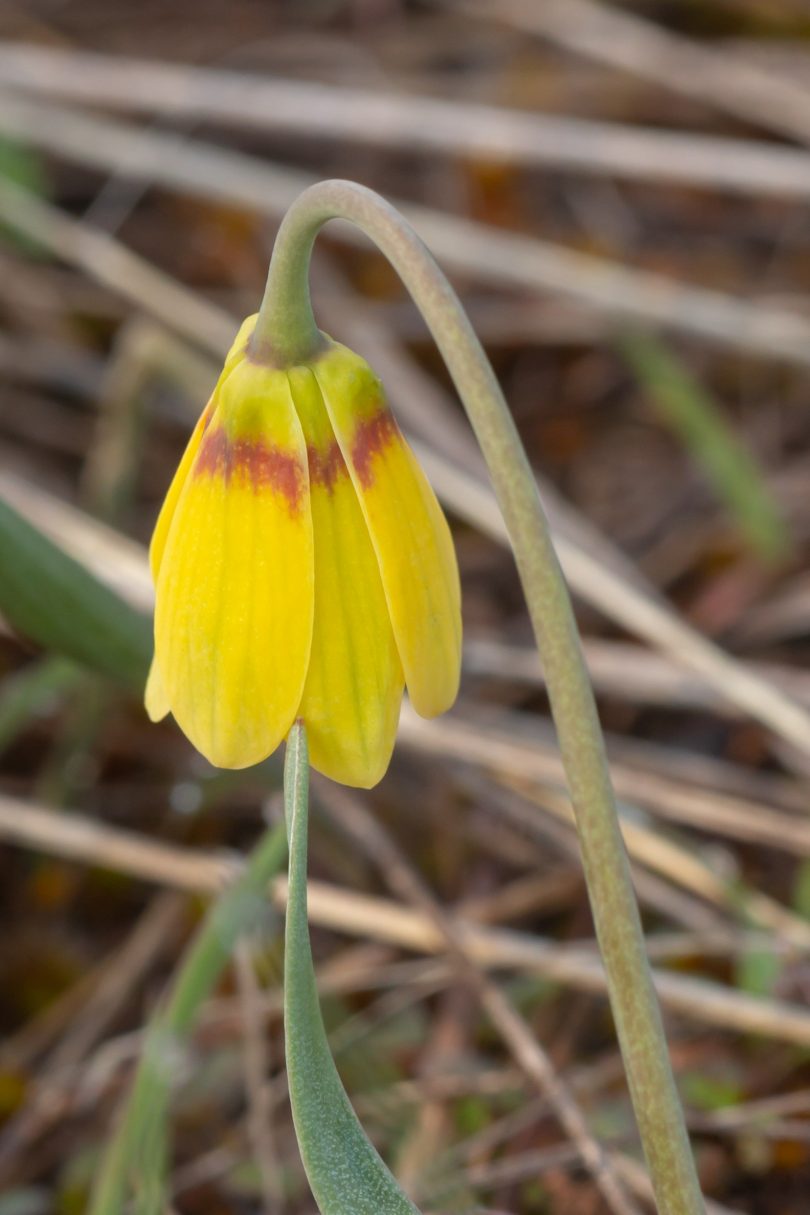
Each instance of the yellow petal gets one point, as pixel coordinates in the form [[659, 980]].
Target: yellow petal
[[155, 698], [164, 519], [354, 685], [238, 350], [235, 355], [410, 535], [233, 619]]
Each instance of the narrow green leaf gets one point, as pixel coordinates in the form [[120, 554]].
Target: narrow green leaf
[[801, 890], [33, 691], [711, 1092], [757, 971], [137, 1155], [346, 1174], [23, 166], [696, 419], [57, 603]]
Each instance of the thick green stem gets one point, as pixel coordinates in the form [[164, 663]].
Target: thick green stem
[[285, 334], [346, 1175]]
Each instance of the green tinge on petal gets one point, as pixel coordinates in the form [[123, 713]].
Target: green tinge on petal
[[354, 684], [411, 539]]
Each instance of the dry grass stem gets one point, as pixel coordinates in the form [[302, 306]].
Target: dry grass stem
[[499, 257], [407, 122]]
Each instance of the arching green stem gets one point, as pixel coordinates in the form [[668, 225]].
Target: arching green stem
[[286, 333]]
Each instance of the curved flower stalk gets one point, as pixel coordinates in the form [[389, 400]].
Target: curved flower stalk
[[303, 569], [286, 334]]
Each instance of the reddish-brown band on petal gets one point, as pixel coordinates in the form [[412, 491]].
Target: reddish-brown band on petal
[[411, 539], [254, 462], [326, 464], [354, 684], [235, 356], [372, 435], [166, 515], [235, 596]]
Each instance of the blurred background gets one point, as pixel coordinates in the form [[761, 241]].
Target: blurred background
[[620, 195]]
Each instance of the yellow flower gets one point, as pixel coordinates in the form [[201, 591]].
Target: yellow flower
[[303, 569]]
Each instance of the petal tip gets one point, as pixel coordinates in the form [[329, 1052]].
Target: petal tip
[[436, 697], [354, 773], [156, 700]]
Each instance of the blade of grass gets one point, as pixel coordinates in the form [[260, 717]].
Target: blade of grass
[[23, 166], [695, 418], [35, 690]]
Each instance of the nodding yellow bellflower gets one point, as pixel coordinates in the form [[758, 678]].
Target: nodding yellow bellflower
[[303, 570]]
